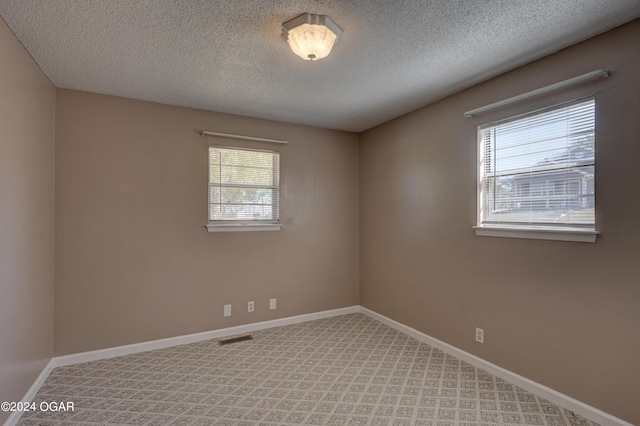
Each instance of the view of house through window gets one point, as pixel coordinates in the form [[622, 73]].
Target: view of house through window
[[539, 170], [243, 185]]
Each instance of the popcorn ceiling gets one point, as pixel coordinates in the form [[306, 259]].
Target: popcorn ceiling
[[229, 56]]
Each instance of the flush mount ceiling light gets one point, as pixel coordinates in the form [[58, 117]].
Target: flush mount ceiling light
[[311, 36]]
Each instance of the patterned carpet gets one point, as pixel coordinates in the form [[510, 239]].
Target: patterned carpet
[[346, 370]]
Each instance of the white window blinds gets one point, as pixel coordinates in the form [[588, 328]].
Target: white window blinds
[[538, 170], [243, 185]]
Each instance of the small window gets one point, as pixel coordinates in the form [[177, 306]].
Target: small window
[[243, 189], [536, 173]]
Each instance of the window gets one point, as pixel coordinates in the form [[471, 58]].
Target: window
[[243, 189], [536, 175]]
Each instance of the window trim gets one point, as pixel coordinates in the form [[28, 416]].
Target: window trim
[[241, 227], [537, 233], [575, 233], [245, 225]]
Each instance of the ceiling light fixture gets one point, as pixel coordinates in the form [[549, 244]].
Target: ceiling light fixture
[[311, 36]]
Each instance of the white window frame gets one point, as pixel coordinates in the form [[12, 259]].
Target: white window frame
[[577, 233], [247, 224]]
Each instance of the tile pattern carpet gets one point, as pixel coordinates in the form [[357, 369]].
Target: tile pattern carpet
[[346, 370]]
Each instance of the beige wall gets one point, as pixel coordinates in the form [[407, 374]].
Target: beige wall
[[564, 314], [27, 107], [133, 259]]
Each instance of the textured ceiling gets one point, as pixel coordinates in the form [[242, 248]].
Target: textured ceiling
[[229, 56]]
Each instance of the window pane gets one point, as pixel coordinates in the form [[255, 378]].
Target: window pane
[[214, 173], [240, 212], [540, 169], [234, 157], [247, 196], [246, 176], [243, 185], [214, 194]]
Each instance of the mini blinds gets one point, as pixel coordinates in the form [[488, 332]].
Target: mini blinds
[[243, 185], [538, 170]]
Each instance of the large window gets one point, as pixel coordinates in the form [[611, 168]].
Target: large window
[[243, 188], [536, 172]]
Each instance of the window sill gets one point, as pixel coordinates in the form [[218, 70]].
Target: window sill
[[556, 234], [215, 227]]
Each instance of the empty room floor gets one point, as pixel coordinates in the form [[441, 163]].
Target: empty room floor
[[345, 370]]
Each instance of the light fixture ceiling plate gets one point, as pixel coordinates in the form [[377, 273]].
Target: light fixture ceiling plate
[[308, 18]]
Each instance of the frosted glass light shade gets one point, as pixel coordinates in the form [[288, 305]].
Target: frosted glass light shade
[[311, 37], [311, 42]]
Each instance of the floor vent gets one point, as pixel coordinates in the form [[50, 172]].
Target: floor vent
[[235, 340]]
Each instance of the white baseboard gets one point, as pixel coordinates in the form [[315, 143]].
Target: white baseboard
[[560, 399], [65, 360], [78, 358], [542, 391], [31, 393]]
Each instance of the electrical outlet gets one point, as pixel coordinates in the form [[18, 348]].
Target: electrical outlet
[[227, 310], [250, 306], [273, 304], [479, 335]]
